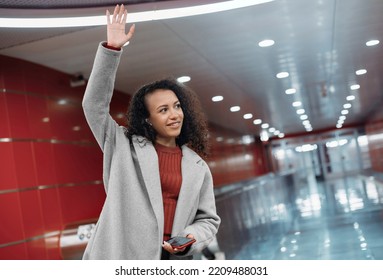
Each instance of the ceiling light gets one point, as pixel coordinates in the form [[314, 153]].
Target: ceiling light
[[132, 17], [290, 91], [344, 112], [338, 126], [282, 75], [272, 129], [257, 121], [300, 111], [266, 43], [247, 116], [219, 139], [361, 72], [281, 135], [354, 87], [265, 125], [347, 106], [303, 117], [217, 98], [372, 43], [297, 103], [62, 102], [183, 79], [342, 118], [350, 97], [235, 109], [306, 122]]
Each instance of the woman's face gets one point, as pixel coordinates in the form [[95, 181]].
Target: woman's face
[[165, 115]]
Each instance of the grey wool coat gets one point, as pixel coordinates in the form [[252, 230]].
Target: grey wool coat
[[131, 222]]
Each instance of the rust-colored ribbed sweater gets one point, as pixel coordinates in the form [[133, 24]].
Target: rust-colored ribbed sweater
[[169, 160]]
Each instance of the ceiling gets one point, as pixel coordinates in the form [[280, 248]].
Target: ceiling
[[321, 43]]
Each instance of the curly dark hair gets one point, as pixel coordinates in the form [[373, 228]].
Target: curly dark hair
[[194, 132]]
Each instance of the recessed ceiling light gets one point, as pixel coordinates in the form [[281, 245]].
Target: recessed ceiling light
[[347, 106], [354, 87], [257, 121], [338, 126], [272, 129], [342, 118], [300, 111], [290, 91], [217, 98], [183, 79], [266, 43], [303, 117], [265, 125], [361, 72], [235, 109], [247, 116], [344, 112], [306, 122], [281, 135], [297, 103], [350, 97], [372, 43], [282, 75]]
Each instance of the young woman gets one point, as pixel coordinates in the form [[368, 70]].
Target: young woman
[[157, 187]]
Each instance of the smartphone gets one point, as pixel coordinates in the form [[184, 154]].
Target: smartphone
[[179, 242]]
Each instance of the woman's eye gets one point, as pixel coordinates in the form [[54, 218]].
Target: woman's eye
[[178, 106], [163, 110]]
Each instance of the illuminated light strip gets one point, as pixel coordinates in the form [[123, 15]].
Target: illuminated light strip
[[132, 17], [96, 182], [47, 235], [53, 141]]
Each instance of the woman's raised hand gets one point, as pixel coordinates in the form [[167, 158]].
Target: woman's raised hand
[[116, 36]]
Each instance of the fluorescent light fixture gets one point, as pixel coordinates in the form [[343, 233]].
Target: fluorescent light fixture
[[132, 17], [282, 75], [354, 87], [361, 72], [266, 43], [235, 109], [372, 43], [257, 121], [217, 98], [247, 116], [183, 79], [290, 91], [350, 97]]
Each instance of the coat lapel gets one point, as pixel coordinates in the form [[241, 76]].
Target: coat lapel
[[192, 179], [148, 161]]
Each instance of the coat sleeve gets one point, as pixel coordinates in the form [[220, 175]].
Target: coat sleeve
[[98, 94], [206, 221]]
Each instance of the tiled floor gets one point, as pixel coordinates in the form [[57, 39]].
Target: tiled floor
[[341, 219]]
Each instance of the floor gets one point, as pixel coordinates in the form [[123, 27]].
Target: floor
[[338, 219]]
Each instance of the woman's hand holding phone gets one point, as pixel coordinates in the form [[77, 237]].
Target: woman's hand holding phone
[[178, 244]]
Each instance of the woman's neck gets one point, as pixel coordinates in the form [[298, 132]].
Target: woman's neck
[[171, 142]]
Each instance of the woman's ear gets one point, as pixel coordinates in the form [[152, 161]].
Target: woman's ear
[[147, 120]]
